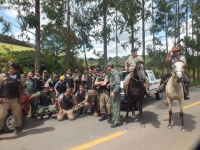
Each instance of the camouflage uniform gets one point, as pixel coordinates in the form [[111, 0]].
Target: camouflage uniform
[[11, 98], [172, 59], [76, 78], [67, 103], [132, 63], [104, 98], [45, 102]]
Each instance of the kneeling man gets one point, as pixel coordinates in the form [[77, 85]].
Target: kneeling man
[[66, 104]]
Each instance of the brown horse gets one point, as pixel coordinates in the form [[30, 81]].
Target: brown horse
[[174, 90], [135, 91]]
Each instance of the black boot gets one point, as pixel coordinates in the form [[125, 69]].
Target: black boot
[[103, 117], [41, 117], [81, 112], [18, 131], [186, 92], [33, 116], [50, 116], [115, 125], [85, 113], [109, 118]]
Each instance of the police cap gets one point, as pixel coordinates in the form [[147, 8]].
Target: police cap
[[15, 66], [134, 50], [109, 64]]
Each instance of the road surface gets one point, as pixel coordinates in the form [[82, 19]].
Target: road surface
[[89, 133]]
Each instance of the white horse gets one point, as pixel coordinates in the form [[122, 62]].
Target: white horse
[[174, 90]]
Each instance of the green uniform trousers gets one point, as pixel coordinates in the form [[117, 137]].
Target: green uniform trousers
[[115, 108], [41, 109]]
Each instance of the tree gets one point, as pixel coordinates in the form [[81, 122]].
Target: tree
[[28, 18]]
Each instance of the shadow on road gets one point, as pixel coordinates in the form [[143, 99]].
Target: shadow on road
[[151, 118], [148, 118], [32, 123], [29, 132], [189, 121]]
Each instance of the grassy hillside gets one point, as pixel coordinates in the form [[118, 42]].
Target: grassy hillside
[[4, 47]]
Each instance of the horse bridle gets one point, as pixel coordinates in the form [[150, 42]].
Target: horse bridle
[[177, 70]]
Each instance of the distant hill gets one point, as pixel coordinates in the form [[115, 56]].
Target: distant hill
[[5, 47], [9, 40]]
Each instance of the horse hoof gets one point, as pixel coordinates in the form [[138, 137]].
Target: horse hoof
[[183, 129], [143, 125], [169, 126], [124, 123]]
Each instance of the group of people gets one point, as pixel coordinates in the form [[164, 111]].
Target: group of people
[[66, 95], [72, 93]]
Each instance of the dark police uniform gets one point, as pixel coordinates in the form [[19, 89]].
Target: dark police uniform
[[69, 80], [39, 83], [52, 82]]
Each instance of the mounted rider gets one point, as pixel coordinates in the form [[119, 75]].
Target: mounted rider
[[171, 59], [130, 65]]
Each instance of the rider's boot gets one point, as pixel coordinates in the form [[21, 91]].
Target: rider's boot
[[186, 92], [161, 87], [147, 91]]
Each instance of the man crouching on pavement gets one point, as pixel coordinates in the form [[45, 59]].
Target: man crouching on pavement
[[46, 99], [82, 99], [66, 104]]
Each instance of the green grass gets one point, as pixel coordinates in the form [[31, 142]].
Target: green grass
[[195, 83], [5, 47]]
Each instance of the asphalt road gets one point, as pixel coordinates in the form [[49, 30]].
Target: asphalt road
[[89, 133]]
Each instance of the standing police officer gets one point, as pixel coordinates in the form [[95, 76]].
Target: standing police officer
[[30, 89], [102, 82], [114, 95], [69, 79], [53, 80], [10, 86], [38, 80]]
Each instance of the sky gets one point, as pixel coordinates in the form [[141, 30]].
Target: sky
[[11, 16]]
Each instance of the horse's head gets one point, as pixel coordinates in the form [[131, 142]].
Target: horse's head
[[178, 68], [140, 71]]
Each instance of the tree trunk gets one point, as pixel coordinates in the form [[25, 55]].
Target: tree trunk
[[186, 48], [116, 41], [132, 36], [153, 39], [68, 36], [178, 21], [105, 5], [175, 28], [166, 35], [143, 31], [85, 56], [193, 62], [37, 35]]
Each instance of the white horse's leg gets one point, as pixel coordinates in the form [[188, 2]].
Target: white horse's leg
[[170, 112], [181, 114]]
